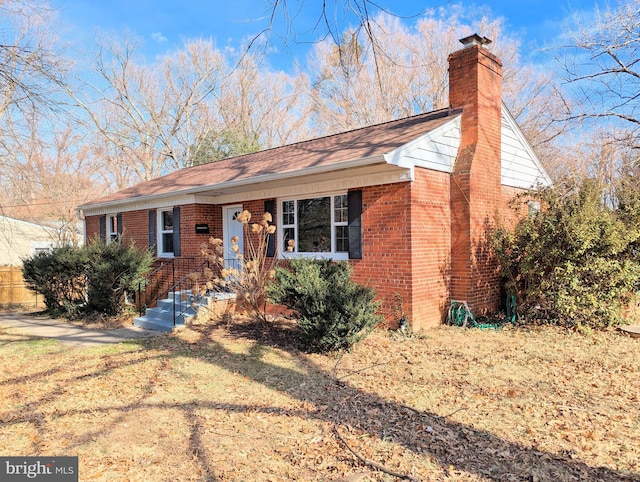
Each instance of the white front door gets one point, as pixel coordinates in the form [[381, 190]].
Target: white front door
[[232, 227]]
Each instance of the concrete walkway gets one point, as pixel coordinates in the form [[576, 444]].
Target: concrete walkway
[[46, 327]]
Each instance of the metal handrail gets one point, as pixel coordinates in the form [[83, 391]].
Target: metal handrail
[[162, 276], [148, 280], [176, 266], [176, 288]]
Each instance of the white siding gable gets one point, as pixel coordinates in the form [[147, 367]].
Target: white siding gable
[[435, 150], [21, 239], [520, 166], [438, 149]]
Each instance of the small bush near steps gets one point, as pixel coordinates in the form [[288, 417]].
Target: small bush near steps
[[333, 312], [89, 280]]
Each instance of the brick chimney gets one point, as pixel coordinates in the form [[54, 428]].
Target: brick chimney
[[475, 86]]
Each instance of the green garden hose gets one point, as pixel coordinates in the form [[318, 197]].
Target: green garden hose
[[460, 315]]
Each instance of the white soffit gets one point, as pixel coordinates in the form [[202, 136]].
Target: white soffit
[[339, 180]]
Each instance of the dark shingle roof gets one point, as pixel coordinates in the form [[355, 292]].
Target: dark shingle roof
[[361, 143]]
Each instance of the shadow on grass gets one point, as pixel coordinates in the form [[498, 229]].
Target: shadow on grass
[[445, 442], [441, 440]]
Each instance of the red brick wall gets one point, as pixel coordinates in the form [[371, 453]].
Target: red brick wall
[[256, 208], [406, 247], [192, 214], [91, 228], [386, 246], [431, 247], [508, 216], [407, 250], [475, 85], [135, 227]]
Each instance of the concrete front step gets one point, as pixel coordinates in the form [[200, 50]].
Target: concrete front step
[[156, 325], [160, 318], [167, 314]]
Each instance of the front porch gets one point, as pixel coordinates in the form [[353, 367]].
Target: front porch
[[174, 291]]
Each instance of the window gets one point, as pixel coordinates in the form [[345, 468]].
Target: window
[[317, 225], [113, 228], [533, 208], [38, 247], [165, 232]]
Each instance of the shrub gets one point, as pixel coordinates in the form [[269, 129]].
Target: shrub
[[112, 270], [91, 279], [574, 263], [333, 312], [59, 276]]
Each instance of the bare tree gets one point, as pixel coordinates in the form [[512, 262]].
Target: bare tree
[[595, 154], [47, 180], [146, 115], [31, 68], [323, 21], [32, 72], [254, 108], [601, 67], [409, 75], [195, 105], [263, 104]]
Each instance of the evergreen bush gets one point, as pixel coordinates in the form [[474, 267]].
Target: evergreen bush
[[112, 270], [333, 312], [93, 279], [59, 276], [574, 263]]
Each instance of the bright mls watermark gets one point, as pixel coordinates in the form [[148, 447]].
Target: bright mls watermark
[[51, 469]]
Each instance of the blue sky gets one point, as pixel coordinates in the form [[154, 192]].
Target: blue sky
[[163, 25]]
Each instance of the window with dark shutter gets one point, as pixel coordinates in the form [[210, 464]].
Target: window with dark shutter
[[152, 231], [319, 225], [354, 201], [113, 229], [269, 207], [168, 232]]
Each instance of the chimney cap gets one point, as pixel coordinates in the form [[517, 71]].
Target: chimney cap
[[474, 39]]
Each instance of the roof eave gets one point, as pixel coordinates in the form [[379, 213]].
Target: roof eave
[[221, 187]]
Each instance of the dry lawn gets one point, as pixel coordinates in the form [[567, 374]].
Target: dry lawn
[[238, 403]]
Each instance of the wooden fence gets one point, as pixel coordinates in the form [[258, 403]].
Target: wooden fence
[[13, 289]]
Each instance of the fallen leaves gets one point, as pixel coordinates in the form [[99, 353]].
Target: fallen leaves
[[210, 404]]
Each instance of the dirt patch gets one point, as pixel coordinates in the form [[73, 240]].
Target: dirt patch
[[103, 322], [239, 402]]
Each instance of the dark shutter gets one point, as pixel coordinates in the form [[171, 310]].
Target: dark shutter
[[176, 231], [152, 231], [119, 221], [103, 228], [269, 207], [354, 206]]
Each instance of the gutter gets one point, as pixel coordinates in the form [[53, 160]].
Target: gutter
[[360, 162]]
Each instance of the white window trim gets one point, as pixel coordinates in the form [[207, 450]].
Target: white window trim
[[160, 232], [282, 246], [40, 246], [110, 235]]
